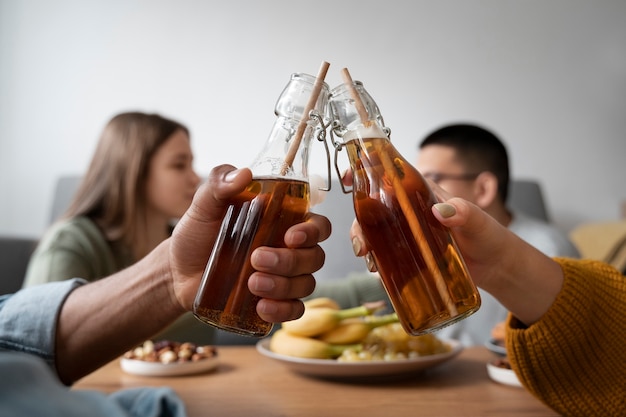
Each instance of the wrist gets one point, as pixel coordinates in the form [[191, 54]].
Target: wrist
[[525, 281], [160, 283]]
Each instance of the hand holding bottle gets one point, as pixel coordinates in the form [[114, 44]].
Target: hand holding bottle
[[277, 198], [521, 277]]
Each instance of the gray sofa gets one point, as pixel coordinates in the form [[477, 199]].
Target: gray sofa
[[14, 255]]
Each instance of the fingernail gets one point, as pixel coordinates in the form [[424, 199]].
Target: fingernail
[[230, 176], [262, 284], [446, 210], [264, 258], [356, 246], [268, 308], [370, 262], [298, 238]]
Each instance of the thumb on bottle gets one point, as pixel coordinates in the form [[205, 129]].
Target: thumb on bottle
[[445, 210]]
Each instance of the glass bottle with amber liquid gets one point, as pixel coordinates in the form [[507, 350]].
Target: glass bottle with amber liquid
[[417, 258], [276, 199]]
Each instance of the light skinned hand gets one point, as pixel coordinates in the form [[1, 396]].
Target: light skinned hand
[[522, 278]]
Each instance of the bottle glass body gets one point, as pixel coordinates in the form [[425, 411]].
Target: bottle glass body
[[419, 263], [276, 199]]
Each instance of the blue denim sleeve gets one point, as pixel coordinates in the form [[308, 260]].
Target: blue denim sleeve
[[29, 388], [28, 318]]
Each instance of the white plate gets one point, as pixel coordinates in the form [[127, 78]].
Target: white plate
[[143, 368], [330, 368], [502, 375]]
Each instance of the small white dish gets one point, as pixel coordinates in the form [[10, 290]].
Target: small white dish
[[143, 368], [366, 370], [502, 375]]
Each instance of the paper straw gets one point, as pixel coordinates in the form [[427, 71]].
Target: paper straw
[[293, 148]]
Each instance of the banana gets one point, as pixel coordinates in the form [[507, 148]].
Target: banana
[[394, 339], [316, 321], [285, 343], [355, 330], [322, 302]]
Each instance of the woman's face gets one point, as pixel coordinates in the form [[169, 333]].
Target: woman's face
[[172, 182]]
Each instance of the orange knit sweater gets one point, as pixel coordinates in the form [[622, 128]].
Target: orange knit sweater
[[574, 358]]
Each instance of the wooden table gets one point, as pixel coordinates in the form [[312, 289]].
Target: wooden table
[[247, 383]]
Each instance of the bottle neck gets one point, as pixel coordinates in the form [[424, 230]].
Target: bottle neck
[[270, 162]]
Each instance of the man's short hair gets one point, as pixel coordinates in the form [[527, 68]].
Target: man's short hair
[[477, 149]]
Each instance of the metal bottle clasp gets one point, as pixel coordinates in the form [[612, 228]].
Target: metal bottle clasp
[[339, 145], [321, 137]]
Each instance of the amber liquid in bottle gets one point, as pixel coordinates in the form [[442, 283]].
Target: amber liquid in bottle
[[260, 216], [417, 258]]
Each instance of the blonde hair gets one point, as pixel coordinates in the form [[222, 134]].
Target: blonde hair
[[112, 192]]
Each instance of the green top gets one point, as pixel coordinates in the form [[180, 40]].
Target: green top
[[75, 248]]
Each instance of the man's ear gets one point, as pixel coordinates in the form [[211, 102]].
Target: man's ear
[[486, 189]]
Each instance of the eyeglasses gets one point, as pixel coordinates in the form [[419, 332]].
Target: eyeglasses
[[436, 177]]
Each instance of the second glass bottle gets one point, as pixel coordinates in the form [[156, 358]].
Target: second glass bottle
[[419, 263]]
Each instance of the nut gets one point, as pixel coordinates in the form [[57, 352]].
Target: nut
[[166, 351]]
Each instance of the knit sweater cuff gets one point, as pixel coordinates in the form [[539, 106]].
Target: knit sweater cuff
[[562, 358]]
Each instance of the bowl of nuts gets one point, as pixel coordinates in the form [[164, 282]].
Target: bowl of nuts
[[169, 358]]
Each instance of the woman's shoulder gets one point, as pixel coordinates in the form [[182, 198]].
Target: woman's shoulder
[[70, 248], [79, 231]]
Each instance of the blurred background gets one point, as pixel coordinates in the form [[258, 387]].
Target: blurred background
[[549, 77]]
